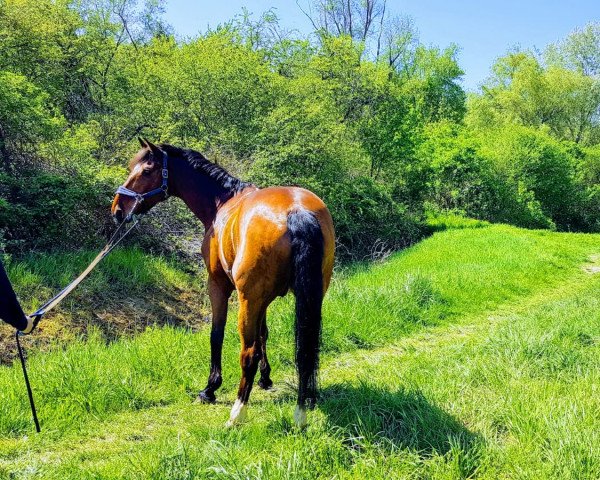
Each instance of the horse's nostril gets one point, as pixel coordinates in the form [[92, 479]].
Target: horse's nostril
[[118, 215]]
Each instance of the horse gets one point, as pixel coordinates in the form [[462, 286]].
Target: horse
[[261, 242]]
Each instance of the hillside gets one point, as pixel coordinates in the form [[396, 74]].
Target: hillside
[[129, 291], [474, 353]]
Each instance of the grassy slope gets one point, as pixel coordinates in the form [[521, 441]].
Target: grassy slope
[[127, 292], [474, 353]]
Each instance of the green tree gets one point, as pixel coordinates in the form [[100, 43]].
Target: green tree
[[26, 118], [524, 91]]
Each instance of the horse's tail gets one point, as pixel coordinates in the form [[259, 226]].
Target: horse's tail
[[307, 282]]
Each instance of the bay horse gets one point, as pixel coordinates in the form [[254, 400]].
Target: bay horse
[[262, 242]]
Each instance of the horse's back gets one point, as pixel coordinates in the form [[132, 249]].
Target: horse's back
[[260, 241]]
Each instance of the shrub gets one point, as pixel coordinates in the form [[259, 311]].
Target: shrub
[[547, 168], [43, 210], [461, 178]]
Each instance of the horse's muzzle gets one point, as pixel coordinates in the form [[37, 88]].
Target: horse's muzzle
[[118, 215]]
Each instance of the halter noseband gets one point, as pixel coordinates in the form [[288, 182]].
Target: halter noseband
[[140, 197]]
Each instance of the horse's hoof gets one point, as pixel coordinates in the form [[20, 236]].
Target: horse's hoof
[[300, 417], [238, 415], [204, 397], [265, 383]]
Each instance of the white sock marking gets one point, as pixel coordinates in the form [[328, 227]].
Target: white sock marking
[[239, 411], [300, 417]]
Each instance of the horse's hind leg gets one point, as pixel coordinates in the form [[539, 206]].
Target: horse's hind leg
[[249, 325], [219, 293], [265, 381]]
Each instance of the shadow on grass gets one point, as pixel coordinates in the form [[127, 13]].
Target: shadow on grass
[[371, 415]]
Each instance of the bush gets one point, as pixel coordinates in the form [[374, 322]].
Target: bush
[[43, 210], [461, 178], [368, 222], [545, 170]]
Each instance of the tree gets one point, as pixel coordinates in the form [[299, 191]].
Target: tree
[[580, 51], [397, 42], [523, 90], [359, 19], [382, 36], [25, 117]]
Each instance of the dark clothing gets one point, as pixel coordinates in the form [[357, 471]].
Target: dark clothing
[[10, 309]]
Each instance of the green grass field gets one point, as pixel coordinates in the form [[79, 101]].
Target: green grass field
[[473, 354]]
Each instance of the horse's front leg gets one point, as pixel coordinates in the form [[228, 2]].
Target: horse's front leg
[[219, 293]]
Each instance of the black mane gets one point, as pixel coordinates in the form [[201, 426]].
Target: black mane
[[210, 169]]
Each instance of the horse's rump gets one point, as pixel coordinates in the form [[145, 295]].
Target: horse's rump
[[254, 237]]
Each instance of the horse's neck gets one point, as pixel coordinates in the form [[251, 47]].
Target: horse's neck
[[201, 194], [204, 210]]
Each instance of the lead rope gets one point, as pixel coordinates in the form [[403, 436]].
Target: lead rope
[[59, 297], [29, 392], [50, 304]]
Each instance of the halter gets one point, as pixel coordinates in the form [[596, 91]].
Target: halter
[[140, 197]]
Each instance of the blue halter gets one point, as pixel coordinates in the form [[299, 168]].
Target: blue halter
[[140, 197]]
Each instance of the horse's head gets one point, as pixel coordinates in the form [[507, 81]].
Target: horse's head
[[146, 185]]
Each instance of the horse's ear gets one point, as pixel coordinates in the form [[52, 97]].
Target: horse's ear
[[143, 142], [153, 148]]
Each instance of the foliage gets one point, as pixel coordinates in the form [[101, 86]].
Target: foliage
[[461, 176], [523, 90], [550, 170], [29, 222], [25, 117], [368, 117], [580, 51]]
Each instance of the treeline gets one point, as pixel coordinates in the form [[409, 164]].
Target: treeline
[[360, 112]]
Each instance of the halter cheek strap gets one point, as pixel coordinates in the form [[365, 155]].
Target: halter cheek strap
[[140, 197]]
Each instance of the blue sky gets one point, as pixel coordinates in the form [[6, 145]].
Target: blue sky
[[482, 30]]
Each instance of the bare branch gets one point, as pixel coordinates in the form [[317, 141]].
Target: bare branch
[[380, 31], [307, 16]]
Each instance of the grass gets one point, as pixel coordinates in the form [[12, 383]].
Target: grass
[[127, 292], [439, 221], [473, 354]]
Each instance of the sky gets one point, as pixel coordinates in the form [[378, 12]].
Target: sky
[[482, 30]]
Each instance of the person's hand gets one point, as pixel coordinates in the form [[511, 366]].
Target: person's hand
[[31, 324]]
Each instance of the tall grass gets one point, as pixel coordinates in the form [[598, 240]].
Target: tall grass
[[128, 291], [499, 388]]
